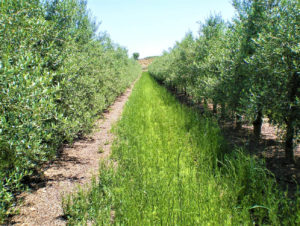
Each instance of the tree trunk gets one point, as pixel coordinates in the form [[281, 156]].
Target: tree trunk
[[238, 121], [205, 103], [223, 110], [289, 140], [257, 123], [214, 108], [290, 119]]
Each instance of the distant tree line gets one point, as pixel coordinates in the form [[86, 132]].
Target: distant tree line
[[57, 74], [248, 67]]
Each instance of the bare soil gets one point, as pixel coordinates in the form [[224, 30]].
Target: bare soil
[[75, 167], [146, 62]]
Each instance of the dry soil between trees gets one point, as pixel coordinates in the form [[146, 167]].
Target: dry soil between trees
[[75, 167]]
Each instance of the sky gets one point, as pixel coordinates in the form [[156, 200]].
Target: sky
[[151, 26]]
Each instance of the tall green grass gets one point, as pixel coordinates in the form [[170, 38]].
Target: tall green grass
[[174, 168]]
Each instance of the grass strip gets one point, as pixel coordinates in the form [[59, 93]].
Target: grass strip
[[174, 168]]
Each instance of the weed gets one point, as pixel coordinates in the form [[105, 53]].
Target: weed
[[100, 150]]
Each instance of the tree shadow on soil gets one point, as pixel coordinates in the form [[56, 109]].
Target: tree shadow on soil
[[269, 148], [38, 180]]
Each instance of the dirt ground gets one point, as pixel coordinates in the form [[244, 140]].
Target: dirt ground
[[146, 62], [76, 166]]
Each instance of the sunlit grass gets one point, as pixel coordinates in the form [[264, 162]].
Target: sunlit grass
[[174, 168]]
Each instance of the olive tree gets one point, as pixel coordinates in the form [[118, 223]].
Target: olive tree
[[277, 53]]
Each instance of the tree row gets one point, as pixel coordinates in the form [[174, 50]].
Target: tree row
[[248, 67], [57, 74]]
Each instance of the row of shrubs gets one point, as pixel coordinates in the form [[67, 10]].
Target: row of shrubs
[[57, 74], [247, 68]]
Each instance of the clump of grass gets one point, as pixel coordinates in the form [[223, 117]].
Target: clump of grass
[[100, 150], [174, 168]]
